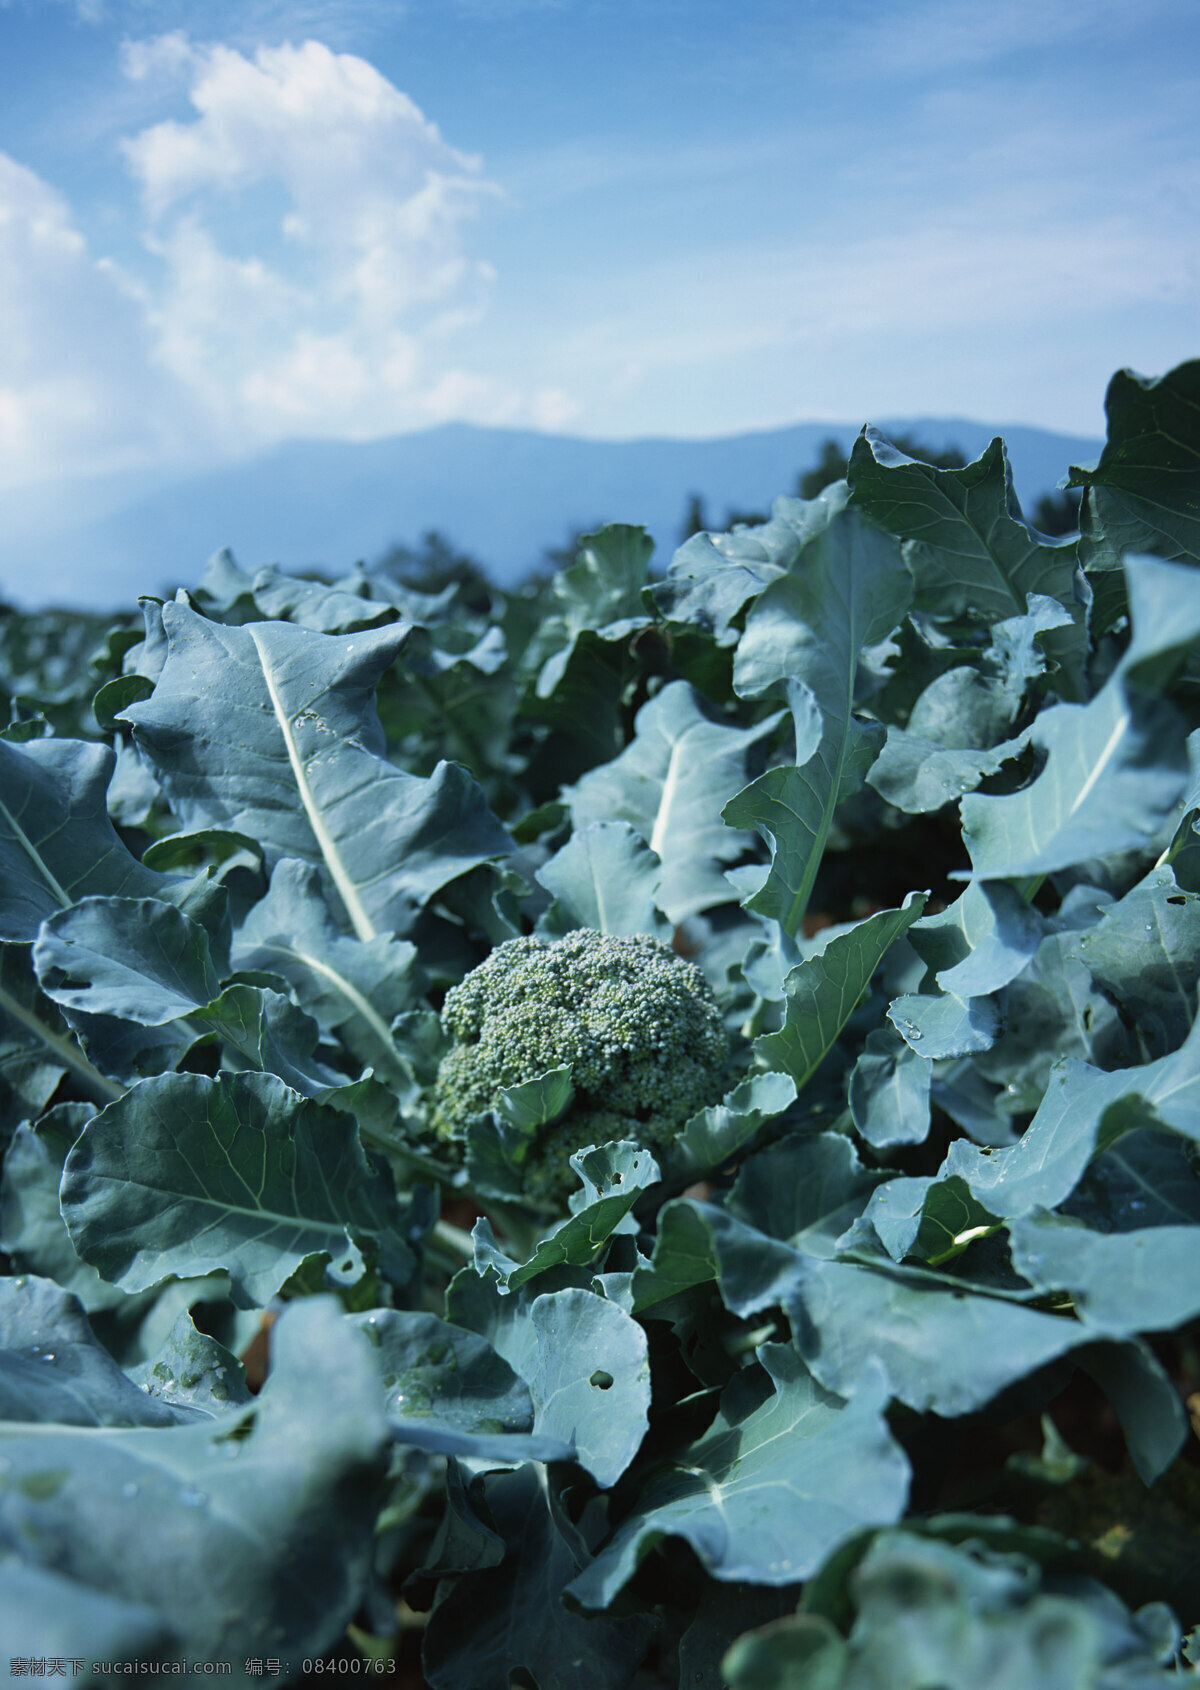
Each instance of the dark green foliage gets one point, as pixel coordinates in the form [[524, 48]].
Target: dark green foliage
[[786, 969]]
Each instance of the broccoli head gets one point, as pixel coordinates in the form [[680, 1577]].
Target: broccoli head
[[638, 1026]]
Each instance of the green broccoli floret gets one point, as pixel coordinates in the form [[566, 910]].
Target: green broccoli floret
[[638, 1026]]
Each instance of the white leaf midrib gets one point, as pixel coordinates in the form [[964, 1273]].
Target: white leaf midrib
[[363, 926]]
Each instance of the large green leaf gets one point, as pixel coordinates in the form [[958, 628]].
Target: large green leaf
[[786, 1474], [492, 1624], [585, 1361], [753, 1269], [971, 551], [607, 878], [36, 1046], [929, 1613], [615, 1175], [1116, 768], [848, 590], [823, 990], [134, 958], [889, 1091], [980, 942], [712, 576], [329, 609], [1083, 1111], [972, 949], [187, 1174], [270, 730], [183, 1522], [53, 1369], [805, 1191], [918, 774], [723, 1129], [348, 986], [56, 841], [193, 1371], [1052, 1010], [74, 1624], [669, 784], [262, 1030], [31, 1224], [1140, 495], [1145, 953], [1121, 1283], [931, 1219], [601, 592], [942, 1348], [1145, 1179], [1114, 773], [436, 1372]]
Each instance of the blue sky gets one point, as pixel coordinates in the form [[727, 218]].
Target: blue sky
[[222, 225]]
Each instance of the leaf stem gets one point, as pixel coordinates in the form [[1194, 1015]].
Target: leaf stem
[[99, 1087], [741, 1343], [960, 1241], [453, 1239]]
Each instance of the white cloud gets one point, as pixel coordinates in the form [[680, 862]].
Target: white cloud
[[311, 226], [553, 408], [78, 389], [306, 269], [929, 39], [162, 55]]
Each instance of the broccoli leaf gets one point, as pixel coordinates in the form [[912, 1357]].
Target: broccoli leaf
[[186, 1175], [134, 958], [786, 1474], [670, 785], [1137, 498], [808, 629], [490, 1625], [284, 709], [350, 987], [171, 1519], [970, 549], [823, 990], [602, 1410], [56, 841], [607, 878]]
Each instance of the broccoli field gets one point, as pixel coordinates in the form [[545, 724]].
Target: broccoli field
[[645, 1133]]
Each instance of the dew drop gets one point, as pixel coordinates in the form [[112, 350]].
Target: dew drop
[[5, 1464], [192, 1498], [48, 1356], [129, 1490]]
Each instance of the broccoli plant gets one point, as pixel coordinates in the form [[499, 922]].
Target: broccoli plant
[[637, 1026], [353, 930]]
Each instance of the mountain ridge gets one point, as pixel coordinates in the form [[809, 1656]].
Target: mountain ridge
[[503, 495]]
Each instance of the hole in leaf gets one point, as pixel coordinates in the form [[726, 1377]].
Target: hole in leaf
[[602, 1380], [1177, 898]]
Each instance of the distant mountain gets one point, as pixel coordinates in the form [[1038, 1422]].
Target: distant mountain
[[503, 495]]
